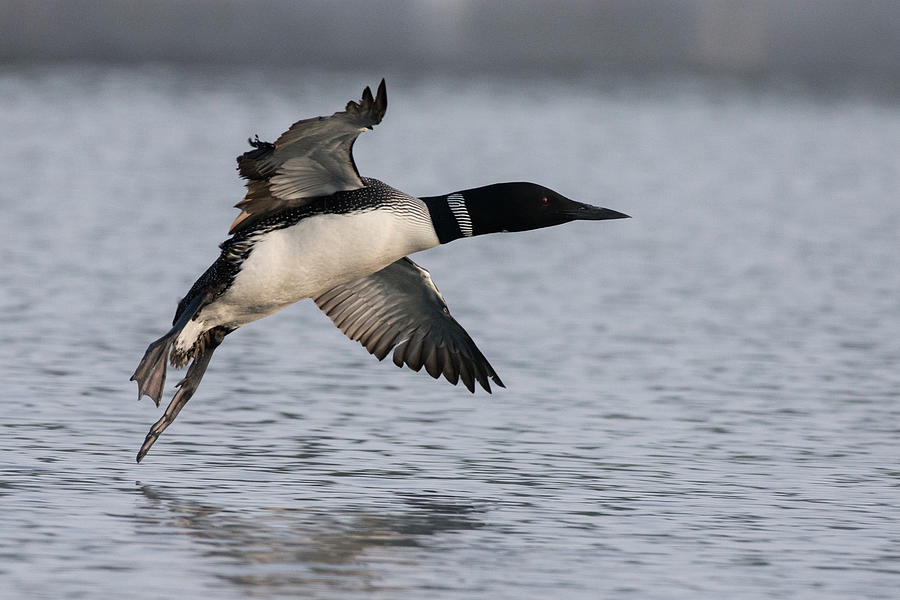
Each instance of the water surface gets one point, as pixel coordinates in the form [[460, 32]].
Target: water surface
[[702, 400]]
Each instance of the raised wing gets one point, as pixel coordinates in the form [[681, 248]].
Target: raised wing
[[312, 158], [400, 306]]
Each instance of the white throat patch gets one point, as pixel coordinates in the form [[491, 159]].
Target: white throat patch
[[458, 207]]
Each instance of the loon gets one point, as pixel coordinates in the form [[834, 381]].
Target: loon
[[312, 227]]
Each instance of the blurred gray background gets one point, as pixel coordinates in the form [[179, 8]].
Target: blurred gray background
[[703, 401], [820, 40]]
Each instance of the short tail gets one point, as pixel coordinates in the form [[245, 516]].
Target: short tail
[[150, 374]]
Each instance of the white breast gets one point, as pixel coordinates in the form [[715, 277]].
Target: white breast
[[319, 252]]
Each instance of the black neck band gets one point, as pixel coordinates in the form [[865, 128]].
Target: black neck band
[[445, 224]]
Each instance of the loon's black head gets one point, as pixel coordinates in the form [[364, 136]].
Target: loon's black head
[[518, 206], [521, 206]]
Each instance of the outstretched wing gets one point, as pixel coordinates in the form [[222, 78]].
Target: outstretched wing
[[400, 306], [312, 158]]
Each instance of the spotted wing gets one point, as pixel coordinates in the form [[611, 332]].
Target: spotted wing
[[312, 158], [399, 306]]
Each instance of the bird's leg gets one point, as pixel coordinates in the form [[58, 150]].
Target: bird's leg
[[186, 388]]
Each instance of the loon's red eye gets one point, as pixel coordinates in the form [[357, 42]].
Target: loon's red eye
[[544, 201]]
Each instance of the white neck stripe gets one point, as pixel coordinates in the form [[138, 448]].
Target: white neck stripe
[[458, 207]]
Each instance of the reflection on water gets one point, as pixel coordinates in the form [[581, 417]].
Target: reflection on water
[[302, 549], [702, 401]]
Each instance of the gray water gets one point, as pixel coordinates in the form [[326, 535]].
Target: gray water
[[702, 401]]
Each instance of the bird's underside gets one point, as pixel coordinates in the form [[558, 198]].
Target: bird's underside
[[397, 308]]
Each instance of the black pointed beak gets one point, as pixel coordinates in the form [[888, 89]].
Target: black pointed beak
[[586, 212]]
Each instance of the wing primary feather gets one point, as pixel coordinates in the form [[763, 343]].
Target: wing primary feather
[[381, 100], [433, 362], [400, 353], [496, 378], [451, 374], [414, 358], [481, 374], [466, 376], [384, 345]]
